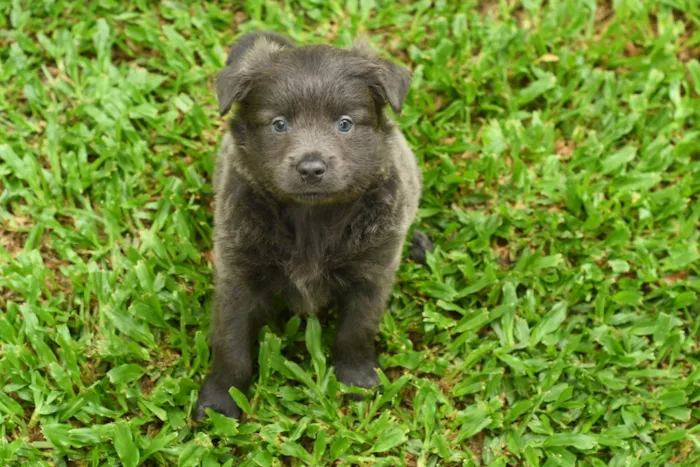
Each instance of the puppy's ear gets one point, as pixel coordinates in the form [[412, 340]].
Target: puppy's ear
[[245, 59], [230, 87], [389, 81]]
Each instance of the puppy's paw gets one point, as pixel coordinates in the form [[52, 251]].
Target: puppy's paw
[[215, 397], [420, 245], [363, 376]]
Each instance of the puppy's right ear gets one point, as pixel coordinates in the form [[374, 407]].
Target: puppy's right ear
[[245, 59]]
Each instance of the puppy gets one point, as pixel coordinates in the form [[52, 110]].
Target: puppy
[[316, 189]]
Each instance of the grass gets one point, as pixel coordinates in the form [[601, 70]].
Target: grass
[[556, 324]]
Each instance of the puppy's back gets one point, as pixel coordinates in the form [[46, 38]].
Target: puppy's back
[[409, 175]]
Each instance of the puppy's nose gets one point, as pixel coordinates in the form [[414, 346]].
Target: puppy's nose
[[311, 169]]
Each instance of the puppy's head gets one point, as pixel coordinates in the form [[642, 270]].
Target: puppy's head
[[310, 123]]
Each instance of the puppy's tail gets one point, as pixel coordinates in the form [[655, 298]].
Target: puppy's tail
[[420, 245], [245, 43]]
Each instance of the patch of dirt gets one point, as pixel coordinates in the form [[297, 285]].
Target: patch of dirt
[[686, 53], [408, 393], [35, 434], [147, 385], [394, 373], [168, 359], [59, 281], [91, 372], [208, 256], [416, 337], [445, 383], [211, 137], [476, 445], [238, 18], [151, 429], [682, 452], [564, 148], [523, 18], [13, 241], [675, 277], [488, 7], [603, 17], [631, 50], [7, 296], [500, 246], [307, 443]]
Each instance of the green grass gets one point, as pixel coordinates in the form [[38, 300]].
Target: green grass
[[556, 323]]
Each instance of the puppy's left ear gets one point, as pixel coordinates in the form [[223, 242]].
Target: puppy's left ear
[[389, 81]]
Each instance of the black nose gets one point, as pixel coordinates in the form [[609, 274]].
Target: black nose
[[311, 169]]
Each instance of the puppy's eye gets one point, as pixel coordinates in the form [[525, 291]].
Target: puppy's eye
[[345, 124], [279, 124]]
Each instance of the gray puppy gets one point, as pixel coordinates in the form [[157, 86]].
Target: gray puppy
[[316, 189]]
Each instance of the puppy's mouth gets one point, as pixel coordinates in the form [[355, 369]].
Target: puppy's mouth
[[315, 197]]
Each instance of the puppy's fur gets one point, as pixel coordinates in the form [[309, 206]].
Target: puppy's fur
[[337, 238]]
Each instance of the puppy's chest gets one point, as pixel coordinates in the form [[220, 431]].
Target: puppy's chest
[[311, 269]]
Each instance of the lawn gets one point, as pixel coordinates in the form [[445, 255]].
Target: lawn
[[555, 324]]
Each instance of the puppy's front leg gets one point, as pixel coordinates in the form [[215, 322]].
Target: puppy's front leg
[[237, 322], [360, 310]]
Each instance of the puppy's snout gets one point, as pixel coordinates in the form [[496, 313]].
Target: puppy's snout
[[311, 168]]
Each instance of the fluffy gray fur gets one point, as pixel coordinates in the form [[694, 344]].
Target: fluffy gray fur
[[332, 238]]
